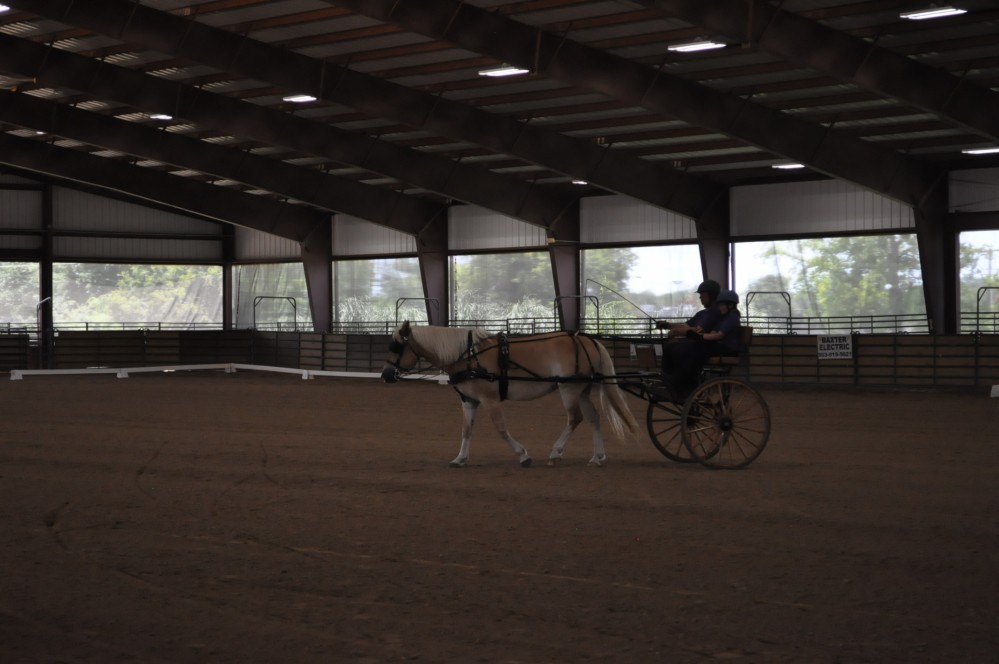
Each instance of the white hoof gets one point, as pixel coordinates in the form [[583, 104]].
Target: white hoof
[[554, 461], [458, 463], [598, 461]]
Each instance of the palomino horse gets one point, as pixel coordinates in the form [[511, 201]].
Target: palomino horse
[[486, 368]]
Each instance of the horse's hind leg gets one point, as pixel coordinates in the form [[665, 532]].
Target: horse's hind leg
[[468, 409], [593, 418], [571, 398], [499, 421]]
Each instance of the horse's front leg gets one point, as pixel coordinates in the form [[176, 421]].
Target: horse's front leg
[[468, 409], [499, 421]]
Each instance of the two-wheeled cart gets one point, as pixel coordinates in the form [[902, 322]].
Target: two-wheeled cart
[[723, 424]]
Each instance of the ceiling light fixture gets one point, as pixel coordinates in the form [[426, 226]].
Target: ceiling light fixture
[[299, 99], [935, 12], [4, 8], [505, 70], [160, 116], [981, 151], [787, 167], [692, 47], [580, 182]]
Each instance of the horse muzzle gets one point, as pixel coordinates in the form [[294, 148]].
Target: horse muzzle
[[390, 374]]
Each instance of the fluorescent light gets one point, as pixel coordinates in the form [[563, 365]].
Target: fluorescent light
[[787, 167], [505, 70], [299, 99], [981, 151], [580, 182], [4, 8], [695, 46], [936, 12], [160, 116]]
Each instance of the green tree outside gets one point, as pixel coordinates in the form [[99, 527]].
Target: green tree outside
[[824, 277], [133, 293], [18, 293], [491, 287]]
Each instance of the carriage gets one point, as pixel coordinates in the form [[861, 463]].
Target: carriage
[[723, 424]]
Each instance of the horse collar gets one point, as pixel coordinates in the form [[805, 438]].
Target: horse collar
[[476, 372]]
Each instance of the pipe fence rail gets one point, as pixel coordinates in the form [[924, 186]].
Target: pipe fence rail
[[876, 360], [971, 322]]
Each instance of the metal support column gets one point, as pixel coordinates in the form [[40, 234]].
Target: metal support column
[[431, 251], [563, 248], [44, 313], [317, 259], [938, 260], [713, 240]]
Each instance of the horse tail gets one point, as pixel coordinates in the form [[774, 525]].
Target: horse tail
[[612, 400]]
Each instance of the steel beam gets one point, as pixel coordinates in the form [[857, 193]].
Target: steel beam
[[642, 179], [293, 222], [392, 209], [475, 185], [808, 43], [551, 55], [186, 38]]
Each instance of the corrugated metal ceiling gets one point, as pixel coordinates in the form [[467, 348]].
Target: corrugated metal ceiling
[[848, 88]]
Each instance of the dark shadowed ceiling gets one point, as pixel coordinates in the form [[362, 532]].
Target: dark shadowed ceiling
[[184, 102]]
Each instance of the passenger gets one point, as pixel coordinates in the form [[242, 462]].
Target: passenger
[[682, 360]]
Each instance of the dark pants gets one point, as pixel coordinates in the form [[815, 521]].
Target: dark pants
[[682, 361]]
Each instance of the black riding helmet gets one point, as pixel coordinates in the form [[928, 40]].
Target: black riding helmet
[[709, 286], [729, 296]]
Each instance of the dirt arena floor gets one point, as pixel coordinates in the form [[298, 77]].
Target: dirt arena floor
[[251, 517]]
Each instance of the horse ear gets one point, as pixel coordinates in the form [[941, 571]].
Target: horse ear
[[404, 329]]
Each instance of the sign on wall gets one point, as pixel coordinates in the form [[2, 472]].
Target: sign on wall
[[835, 347]]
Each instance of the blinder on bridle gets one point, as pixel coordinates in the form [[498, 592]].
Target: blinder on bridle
[[391, 375]]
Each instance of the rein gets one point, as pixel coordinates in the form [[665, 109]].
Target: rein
[[505, 363], [474, 370]]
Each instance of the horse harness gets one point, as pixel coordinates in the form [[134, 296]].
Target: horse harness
[[475, 371]]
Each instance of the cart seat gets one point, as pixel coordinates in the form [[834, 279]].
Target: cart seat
[[646, 357]]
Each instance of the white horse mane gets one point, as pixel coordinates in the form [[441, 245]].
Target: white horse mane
[[443, 345]]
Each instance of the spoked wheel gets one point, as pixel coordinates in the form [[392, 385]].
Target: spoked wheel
[[725, 423], [663, 420]]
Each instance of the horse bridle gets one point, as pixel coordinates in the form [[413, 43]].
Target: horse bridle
[[398, 348]]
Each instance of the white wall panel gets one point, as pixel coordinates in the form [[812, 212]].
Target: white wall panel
[[357, 237], [615, 219], [117, 249], [20, 209], [77, 210], [974, 190], [473, 228], [254, 245], [827, 206]]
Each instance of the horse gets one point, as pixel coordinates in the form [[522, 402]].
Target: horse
[[486, 369]]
